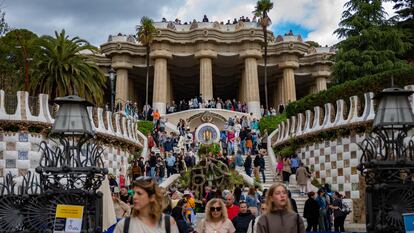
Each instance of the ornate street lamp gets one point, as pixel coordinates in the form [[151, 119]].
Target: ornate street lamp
[[387, 162], [70, 171], [112, 74]]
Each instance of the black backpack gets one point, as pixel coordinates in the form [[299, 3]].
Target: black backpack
[[166, 220]]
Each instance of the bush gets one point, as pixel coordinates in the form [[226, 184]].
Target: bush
[[145, 127], [271, 122], [372, 83]]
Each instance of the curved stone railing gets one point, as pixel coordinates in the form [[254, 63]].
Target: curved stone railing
[[116, 125], [271, 153], [329, 118]]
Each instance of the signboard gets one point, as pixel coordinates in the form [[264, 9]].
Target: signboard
[[409, 222], [207, 133], [68, 219]]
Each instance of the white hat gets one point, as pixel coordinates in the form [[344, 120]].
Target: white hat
[[186, 192]]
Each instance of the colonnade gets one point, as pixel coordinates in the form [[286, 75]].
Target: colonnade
[[248, 87]]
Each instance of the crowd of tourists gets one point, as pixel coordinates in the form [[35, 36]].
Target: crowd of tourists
[[206, 20], [145, 207]]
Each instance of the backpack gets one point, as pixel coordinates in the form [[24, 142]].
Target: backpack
[[166, 220], [346, 209]]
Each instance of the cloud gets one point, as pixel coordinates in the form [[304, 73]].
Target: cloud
[[95, 20]]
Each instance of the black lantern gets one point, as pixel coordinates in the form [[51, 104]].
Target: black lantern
[[72, 119], [394, 110], [387, 162]]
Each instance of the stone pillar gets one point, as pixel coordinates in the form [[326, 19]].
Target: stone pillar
[[251, 82], [121, 90], [206, 73], [313, 89], [279, 93], [169, 89], [159, 99], [320, 83], [289, 63], [131, 90]]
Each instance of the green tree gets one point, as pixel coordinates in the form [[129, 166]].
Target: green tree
[[63, 68], [371, 46], [405, 20], [313, 43], [146, 34], [17, 50], [261, 10]]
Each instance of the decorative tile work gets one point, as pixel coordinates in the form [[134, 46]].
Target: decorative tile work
[[23, 137], [11, 146], [10, 163], [23, 155], [336, 163]]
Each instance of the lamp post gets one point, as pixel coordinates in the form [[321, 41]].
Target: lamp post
[[112, 73], [387, 163], [70, 173]]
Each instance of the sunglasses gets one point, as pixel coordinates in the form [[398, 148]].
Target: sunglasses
[[215, 209]]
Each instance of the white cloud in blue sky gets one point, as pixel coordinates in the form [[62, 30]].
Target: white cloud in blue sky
[[95, 20]]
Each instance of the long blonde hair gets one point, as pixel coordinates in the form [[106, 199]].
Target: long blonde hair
[[213, 201], [152, 189], [271, 206]]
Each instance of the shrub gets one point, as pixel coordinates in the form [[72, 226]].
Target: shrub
[[271, 122], [145, 127], [372, 83]]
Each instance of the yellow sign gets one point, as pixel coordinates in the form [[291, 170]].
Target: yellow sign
[[69, 211]]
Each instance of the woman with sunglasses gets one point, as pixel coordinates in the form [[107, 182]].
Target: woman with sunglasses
[[216, 220], [280, 218], [146, 214]]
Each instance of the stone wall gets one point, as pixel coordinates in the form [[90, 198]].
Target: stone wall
[[19, 153], [19, 150]]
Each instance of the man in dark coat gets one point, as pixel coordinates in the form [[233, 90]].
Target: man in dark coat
[[311, 212], [248, 165], [243, 218]]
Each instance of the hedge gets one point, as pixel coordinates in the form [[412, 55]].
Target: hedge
[[145, 127], [372, 83], [271, 122]]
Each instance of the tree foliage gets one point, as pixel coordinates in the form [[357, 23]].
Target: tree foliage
[[12, 58], [62, 68], [371, 45], [146, 34], [405, 21], [261, 10]]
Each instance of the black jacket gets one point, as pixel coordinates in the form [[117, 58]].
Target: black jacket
[[241, 222], [248, 162], [262, 163], [311, 210], [256, 161]]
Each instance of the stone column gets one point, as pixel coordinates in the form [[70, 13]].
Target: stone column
[[206, 73], [159, 99], [131, 90], [280, 93], [320, 83], [289, 63], [251, 82], [121, 90]]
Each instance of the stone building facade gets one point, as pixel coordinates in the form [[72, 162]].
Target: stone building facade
[[215, 60]]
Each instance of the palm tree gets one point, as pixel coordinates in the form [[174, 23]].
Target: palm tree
[[146, 34], [63, 67], [261, 10]]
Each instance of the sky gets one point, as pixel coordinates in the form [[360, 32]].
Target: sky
[[95, 20]]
